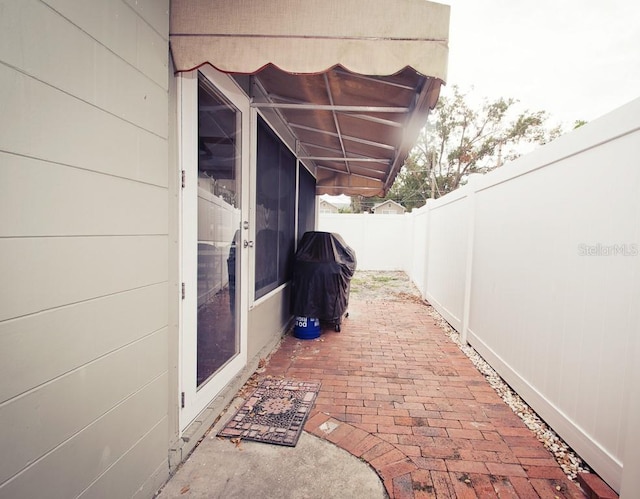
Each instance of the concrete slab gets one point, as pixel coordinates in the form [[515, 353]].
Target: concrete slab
[[314, 468]]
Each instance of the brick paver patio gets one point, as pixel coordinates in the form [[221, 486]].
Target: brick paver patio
[[399, 394]]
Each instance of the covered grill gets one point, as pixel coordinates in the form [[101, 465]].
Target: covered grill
[[322, 272]]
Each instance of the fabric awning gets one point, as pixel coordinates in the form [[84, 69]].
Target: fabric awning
[[352, 80], [374, 37]]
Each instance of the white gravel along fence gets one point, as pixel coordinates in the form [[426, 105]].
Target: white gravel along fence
[[568, 460]]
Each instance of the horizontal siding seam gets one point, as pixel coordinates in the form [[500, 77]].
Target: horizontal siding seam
[[77, 368], [84, 101], [88, 170], [44, 310], [86, 427], [125, 453], [87, 236], [164, 38]]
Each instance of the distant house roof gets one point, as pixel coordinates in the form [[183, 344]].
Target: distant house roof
[[328, 206], [388, 205]]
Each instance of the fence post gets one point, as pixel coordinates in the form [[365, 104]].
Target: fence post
[[426, 250], [630, 480], [409, 257], [466, 306]]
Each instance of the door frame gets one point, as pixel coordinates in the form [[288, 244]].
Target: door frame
[[193, 400]]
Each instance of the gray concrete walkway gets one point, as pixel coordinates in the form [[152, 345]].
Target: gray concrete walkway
[[314, 468]]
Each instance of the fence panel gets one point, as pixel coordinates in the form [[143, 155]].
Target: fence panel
[[418, 230], [381, 242], [554, 288], [446, 255]]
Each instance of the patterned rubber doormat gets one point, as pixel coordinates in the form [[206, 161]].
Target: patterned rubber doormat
[[275, 413]]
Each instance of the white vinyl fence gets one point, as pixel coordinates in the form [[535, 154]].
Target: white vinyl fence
[[378, 240], [537, 265]]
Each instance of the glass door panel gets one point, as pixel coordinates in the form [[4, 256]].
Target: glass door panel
[[218, 231]]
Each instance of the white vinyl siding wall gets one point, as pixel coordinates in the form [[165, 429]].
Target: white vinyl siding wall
[[83, 248]]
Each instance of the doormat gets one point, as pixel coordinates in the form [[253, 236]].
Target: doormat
[[275, 413]]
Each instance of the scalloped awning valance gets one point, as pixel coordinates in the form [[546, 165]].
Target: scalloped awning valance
[[372, 37]]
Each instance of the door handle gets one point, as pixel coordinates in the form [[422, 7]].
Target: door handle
[[247, 244]]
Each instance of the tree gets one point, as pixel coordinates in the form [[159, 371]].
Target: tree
[[360, 204], [413, 186], [460, 140]]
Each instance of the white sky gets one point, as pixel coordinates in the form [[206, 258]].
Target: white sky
[[575, 59]]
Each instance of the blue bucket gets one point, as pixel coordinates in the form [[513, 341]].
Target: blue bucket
[[307, 328]]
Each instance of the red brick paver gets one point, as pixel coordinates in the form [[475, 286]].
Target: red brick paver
[[399, 394]]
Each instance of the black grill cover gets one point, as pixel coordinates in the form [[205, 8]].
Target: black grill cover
[[322, 272]]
